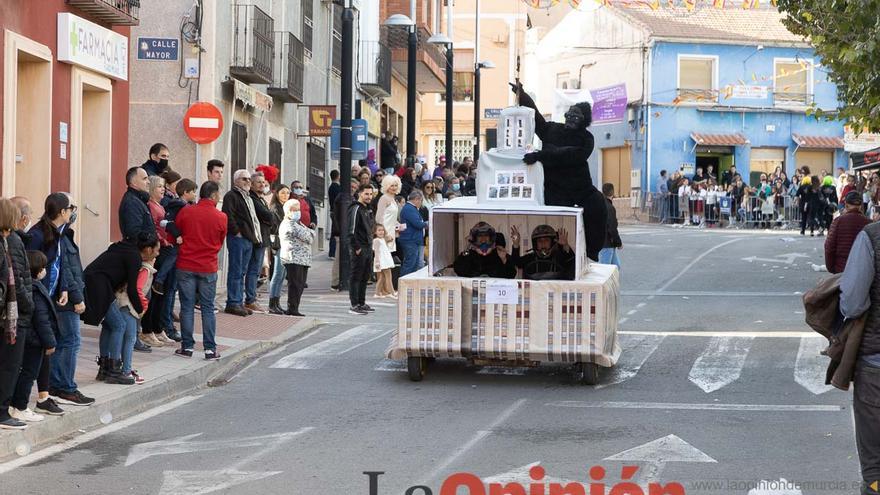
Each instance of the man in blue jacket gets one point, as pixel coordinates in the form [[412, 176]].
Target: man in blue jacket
[[412, 237]]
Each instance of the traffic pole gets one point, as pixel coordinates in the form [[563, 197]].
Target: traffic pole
[[345, 104]]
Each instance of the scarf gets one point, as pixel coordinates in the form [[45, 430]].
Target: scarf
[[10, 313], [254, 220]]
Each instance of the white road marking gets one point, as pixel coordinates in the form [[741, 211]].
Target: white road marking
[[316, 355], [638, 349], [682, 406], [187, 444], [521, 475], [640, 305], [657, 453], [789, 258], [507, 413], [631, 312], [695, 261], [809, 369], [694, 333], [721, 363], [622, 321], [390, 365], [100, 432]]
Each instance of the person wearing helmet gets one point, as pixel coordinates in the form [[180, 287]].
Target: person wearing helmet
[[551, 257], [486, 255]]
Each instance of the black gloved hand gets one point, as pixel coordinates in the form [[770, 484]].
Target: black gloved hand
[[532, 158]]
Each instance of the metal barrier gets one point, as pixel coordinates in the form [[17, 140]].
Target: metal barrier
[[751, 212]]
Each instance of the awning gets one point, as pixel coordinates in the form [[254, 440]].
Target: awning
[[719, 139], [818, 142], [867, 159]]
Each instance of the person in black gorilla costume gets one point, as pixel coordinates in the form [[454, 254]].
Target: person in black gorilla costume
[[567, 181]]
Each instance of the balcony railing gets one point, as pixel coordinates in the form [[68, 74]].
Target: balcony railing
[[287, 80], [398, 38], [112, 12], [783, 99], [374, 72], [253, 45], [698, 95]]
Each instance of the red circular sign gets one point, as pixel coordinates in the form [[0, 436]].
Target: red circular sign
[[203, 123]]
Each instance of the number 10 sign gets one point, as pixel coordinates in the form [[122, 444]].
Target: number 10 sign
[[502, 292]]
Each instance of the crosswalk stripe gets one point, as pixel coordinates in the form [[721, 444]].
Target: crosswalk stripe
[[636, 351], [809, 369], [390, 365], [316, 355], [721, 363]]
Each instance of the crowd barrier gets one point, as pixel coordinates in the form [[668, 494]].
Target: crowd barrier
[[722, 211]]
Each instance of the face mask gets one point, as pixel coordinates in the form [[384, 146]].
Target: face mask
[[295, 216], [298, 192], [72, 218], [389, 170], [266, 190], [456, 187], [484, 246], [163, 163]]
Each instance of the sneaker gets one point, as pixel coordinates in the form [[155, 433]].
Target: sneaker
[[187, 353], [141, 347], [50, 407], [236, 310], [151, 340], [161, 337], [26, 415], [335, 287], [366, 307], [13, 424], [211, 355], [138, 379], [75, 398], [357, 310]]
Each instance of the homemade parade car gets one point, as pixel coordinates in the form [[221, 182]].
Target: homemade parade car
[[507, 322]]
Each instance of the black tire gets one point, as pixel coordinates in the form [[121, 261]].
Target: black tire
[[416, 367], [586, 373]]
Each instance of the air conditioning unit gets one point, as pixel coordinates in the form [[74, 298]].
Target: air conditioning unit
[[574, 84]]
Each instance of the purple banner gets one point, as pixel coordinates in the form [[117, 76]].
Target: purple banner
[[609, 104]]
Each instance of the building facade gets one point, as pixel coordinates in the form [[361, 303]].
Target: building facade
[[65, 94]]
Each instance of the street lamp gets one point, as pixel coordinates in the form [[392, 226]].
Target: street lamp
[[345, 105], [485, 64], [442, 39], [400, 20]]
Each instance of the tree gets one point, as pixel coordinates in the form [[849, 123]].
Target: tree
[[846, 35]]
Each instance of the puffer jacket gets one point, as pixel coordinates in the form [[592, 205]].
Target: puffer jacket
[[44, 331], [22, 269], [71, 271], [134, 215], [841, 237], [296, 243]]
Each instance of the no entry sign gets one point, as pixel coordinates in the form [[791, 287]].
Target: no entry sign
[[203, 123]]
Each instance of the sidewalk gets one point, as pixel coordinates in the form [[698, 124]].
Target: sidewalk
[[239, 339]]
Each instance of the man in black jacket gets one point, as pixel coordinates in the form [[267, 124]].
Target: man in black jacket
[[485, 256], [259, 188], [332, 192], [335, 226], [360, 230], [242, 235], [134, 215], [158, 161], [608, 254], [551, 257]]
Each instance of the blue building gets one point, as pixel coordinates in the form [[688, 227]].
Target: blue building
[[711, 88]]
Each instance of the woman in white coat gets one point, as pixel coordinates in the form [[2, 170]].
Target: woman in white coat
[[296, 253], [387, 210]]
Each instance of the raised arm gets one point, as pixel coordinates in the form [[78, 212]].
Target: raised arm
[[526, 101]]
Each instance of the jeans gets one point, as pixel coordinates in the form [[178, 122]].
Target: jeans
[[169, 259], [129, 337], [278, 275], [63, 362], [608, 256], [204, 285], [112, 333], [866, 411], [331, 252], [10, 365], [166, 319], [255, 264], [413, 257], [240, 250]]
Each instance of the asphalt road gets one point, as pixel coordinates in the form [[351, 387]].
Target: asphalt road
[[718, 388]]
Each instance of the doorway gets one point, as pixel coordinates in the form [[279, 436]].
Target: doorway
[[719, 161], [765, 161], [27, 117], [90, 151], [817, 160], [617, 169]]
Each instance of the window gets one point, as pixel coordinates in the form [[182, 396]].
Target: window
[[462, 87], [697, 79], [238, 159], [307, 14], [562, 80], [337, 40], [316, 181], [792, 83], [462, 146]]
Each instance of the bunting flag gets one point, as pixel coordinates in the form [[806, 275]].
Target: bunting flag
[[671, 3], [655, 4], [719, 4], [574, 3], [751, 4], [690, 4]]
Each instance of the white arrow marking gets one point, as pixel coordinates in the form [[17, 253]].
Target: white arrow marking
[[316, 355], [721, 363], [185, 445], [638, 350], [809, 369], [781, 487], [780, 258], [521, 475], [657, 453]]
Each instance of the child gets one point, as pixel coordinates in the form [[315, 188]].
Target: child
[[768, 208], [186, 194], [383, 262], [42, 335]]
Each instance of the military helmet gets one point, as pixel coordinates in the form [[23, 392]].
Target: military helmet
[[481, 228]]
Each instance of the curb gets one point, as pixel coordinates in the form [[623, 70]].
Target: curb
[[134, 399]]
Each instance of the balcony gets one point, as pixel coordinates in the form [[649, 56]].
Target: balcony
[[430, 59], [374, 72], [112, 12], [704, 96], [789, 100], [253, 45], [287, 78]]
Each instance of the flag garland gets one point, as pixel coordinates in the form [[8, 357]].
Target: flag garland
[[690, 5]]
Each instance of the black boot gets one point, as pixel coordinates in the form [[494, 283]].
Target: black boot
[[102, 368], [115, 376], [275, 306]]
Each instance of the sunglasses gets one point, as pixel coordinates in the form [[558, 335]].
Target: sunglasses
[[72, 208]]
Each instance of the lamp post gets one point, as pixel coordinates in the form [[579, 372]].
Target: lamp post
[[441, 39], [400, 20], [486, 64], [345, 139]]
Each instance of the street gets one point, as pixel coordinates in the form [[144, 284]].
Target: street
[[719, 386]]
